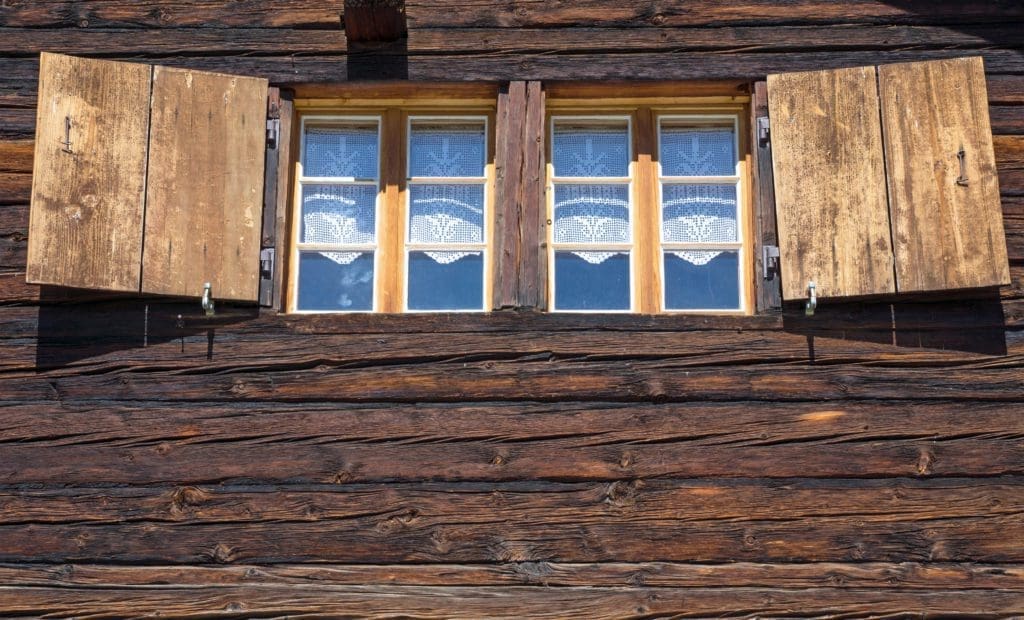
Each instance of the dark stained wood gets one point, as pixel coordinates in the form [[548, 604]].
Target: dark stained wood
[[374, 21], [488, 451], [767, 277], [885, 576], [209, 442], [383, 601], [519, 272]]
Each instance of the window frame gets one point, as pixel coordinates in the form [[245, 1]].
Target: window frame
[[390, 285], [646, 114]]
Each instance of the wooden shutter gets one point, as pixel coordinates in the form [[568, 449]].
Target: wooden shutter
[[870, 194], [947, 234], [829, 171], [204, 199], [89, 176], [162, 190]]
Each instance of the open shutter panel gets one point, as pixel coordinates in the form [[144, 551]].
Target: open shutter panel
[[88, 184], [204, 199], [947, 230], [827, 161], [885, 180], [162, 190]]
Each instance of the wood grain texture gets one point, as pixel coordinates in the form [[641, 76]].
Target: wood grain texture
[[88, 198], [946, 235], [830, 196], [767, 282], [204, 192], [519, 269]]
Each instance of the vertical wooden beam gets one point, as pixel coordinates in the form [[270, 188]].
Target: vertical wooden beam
[[534, 256], [508, 165], [520, 263], [288, 147], [768, 289]]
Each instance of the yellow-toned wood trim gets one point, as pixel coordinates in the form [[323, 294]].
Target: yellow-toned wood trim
[[457, 92], [410, 103], [606, 89], [747, 188], [620, 103], [391, 243], [293, 229], [646, 213], [490, 214]]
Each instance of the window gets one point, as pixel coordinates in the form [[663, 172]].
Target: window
[[648, 211], [392, 212]]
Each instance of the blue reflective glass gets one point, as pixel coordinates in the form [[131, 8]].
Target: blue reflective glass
[[592, 281], [336, 281], [446, 280], [702, 280]]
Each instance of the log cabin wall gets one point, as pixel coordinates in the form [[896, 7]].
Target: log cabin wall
[[868, 461]]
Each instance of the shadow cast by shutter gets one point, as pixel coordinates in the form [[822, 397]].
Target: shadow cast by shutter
[[971, 325], [76, 325]]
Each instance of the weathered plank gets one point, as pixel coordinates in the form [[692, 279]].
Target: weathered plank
[[768, 281], [881, 575], [319, 14], [88, 190], [15, 187], [383, 601], [638, 381], [204, 190], [374, 21], [947, 225], [829, 172], [16, 155], [166, 443]]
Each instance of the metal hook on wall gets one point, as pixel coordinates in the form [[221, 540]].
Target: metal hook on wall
[[207, 301], [812, 302]]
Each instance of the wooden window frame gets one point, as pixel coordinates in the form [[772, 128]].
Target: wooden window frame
[[395, 114], [645, 116]]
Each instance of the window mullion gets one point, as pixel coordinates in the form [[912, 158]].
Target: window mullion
[[647, 275], [391, 263]]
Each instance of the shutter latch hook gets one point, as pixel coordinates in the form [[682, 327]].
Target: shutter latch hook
[[812, 302], [207, 302], [962, 179]]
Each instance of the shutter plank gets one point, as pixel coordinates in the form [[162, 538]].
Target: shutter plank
[[831, 204], [946, 236], [205, 185], [85, 223]]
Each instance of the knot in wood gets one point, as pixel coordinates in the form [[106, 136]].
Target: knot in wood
[[221, 553], [658, 19], [187, 496]]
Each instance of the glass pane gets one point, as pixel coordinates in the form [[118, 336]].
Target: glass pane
[[592, 214], [341, 151], [699, 213], [702, 280], [446, 280], [336, 281], [446, 213], [697, 151], [592, 281], [339, 214], [581, 150], [446, 150]]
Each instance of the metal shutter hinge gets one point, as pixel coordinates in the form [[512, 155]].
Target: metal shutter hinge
[[770, 261], [273, 132], [267, 277], [764, 135]]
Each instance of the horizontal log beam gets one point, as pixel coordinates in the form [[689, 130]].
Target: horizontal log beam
[[829, 575]]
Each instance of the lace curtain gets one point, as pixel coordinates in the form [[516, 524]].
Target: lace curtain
[[699, 214]]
